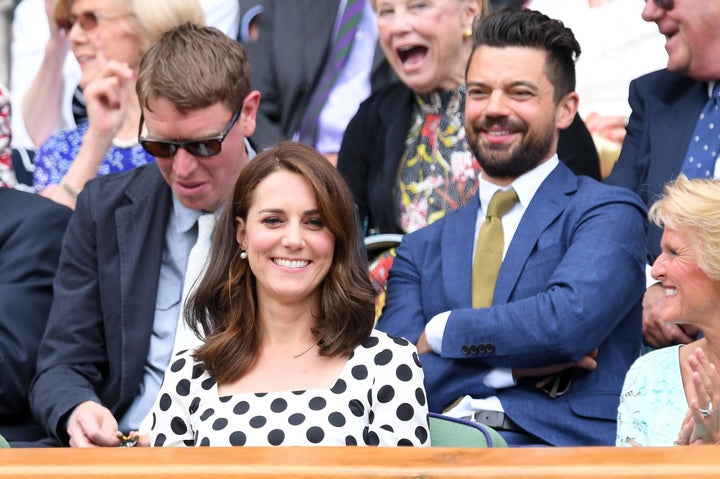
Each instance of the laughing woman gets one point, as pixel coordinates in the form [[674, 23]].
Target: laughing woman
[[290, 356], [666, 385]]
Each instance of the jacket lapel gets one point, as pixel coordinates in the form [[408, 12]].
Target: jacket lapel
[[549, 202], [672, 122], [141, 227], [456, 248]]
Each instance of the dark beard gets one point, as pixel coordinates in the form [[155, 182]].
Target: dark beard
[[503, 165]]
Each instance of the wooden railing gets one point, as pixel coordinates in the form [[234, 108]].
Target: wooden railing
[[697, 462]]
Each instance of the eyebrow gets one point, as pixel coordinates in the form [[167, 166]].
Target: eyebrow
[[514, 84], [278, 210]]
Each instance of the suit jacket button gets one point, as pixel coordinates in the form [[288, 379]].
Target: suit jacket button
[[465, 350], [482, 348], [490, 348], [473, 349]]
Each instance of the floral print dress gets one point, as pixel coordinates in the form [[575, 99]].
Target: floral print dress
[[437, 173]]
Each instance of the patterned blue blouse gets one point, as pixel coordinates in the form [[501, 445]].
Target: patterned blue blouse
[[55, 156], [652, 403]]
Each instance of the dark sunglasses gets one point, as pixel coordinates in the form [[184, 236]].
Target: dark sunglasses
[[664, 4], [87, 20], [203, 147]]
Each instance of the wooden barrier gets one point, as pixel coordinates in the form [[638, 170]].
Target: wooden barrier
[[696, 462]]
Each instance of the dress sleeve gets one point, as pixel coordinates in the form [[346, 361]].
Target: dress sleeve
[[632, 429], [399, 404], [171, 426]]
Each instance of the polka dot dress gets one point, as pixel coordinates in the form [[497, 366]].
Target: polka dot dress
[[378, 400]]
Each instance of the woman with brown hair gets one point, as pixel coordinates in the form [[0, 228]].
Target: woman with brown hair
[[290, 355]]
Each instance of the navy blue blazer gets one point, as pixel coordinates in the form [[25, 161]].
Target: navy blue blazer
[[98, 333], [665, 108], [31, 233], [572, 280]]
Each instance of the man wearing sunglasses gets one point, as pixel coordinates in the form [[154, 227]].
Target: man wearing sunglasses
[[120, 281], [666, 108]]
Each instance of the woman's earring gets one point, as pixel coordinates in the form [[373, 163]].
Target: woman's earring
[[467, 34], [243, 255]]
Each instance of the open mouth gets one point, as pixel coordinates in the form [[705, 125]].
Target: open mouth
[[411, 54]]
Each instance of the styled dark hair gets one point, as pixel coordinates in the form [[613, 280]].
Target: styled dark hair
[[224, 307], [516, 27], [194, 67]]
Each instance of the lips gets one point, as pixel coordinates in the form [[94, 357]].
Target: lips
[[411, 55], [190, 185]]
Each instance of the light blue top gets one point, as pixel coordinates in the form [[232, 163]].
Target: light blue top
[[652, 403]]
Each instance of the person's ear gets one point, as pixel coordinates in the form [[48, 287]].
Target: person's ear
[[472, 9], [249, 111], [240, 234], [566, 110]]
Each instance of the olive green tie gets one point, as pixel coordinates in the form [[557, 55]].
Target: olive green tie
[[489, 249]]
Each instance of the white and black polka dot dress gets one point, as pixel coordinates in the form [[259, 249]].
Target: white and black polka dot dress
[[379, 400]]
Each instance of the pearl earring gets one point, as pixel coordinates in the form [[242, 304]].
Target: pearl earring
[[243, 255]]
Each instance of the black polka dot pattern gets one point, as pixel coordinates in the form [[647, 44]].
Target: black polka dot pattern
[[378, 400]]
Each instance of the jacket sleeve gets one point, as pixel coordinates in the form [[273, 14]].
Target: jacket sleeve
[[594, 282], [72, 357], [28, 260]]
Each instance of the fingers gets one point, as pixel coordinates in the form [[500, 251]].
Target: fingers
[[656, 332], [92, 425], [422, 344], [704, 404], [144, 440], [110, 87], [588, 363], [659, 334], [686, 430]]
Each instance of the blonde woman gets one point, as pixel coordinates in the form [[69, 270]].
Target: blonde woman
[[666, 385], [108, 38]]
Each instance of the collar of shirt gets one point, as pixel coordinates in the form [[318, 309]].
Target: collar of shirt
[[185, 218], [525, 186]]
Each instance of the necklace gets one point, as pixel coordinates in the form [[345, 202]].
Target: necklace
[[124, 143], [295, 356]]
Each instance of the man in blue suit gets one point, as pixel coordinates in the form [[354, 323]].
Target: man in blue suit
[[545, 363], [666, 105]]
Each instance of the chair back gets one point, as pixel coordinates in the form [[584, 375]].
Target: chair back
[[446, 431], [3, 443]]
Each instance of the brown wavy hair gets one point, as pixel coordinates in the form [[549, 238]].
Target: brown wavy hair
[[224, 307]]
